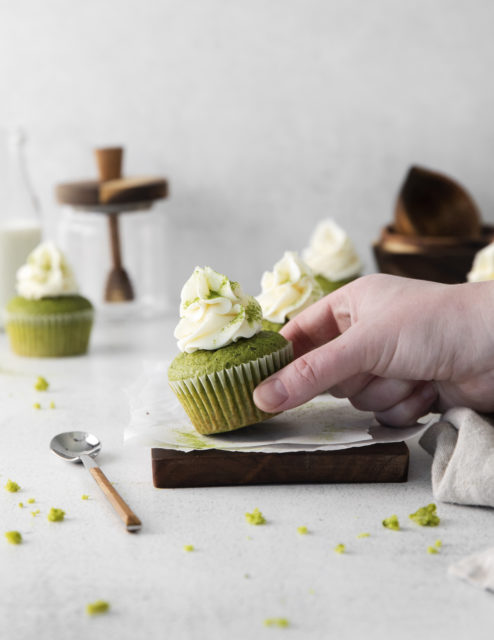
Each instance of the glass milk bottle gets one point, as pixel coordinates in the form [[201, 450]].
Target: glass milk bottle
[[20, 224]]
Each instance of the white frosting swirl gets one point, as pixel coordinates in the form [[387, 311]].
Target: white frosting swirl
[[483, 265], [331, 253], [214, 312], [45, 274], [288, 289]]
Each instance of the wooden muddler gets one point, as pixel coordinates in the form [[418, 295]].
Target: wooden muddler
[[118, 286]]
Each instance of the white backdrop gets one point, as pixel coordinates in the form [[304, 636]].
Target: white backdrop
[[266, 115]]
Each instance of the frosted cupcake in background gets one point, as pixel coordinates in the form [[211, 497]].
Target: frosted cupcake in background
[[332, 256], [483, 265], [287, 290], [48, 318], [225, 353]]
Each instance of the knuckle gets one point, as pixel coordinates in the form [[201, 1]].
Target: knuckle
[[305, 371]]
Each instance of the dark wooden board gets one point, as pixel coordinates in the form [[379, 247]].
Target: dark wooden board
[[213, 468]]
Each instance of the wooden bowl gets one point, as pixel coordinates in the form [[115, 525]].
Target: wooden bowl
[[445, 259]]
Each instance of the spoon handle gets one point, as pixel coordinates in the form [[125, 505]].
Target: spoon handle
[[129, 518]]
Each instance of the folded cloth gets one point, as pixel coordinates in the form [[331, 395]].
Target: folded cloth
[[462, 444], [478, 569]]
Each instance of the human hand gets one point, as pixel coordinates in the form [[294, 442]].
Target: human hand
[[394, 346]]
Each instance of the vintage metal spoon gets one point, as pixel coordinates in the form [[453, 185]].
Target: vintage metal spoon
[[80, 446]]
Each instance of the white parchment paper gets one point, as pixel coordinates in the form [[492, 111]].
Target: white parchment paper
[[157, 419]]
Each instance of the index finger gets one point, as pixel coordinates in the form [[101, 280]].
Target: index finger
[[314, 372], [318, 324]]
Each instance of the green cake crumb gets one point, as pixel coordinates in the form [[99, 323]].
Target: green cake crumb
[[302, 530], [36, 405], [85, 496], [426, 516], [432, 549], [340, 548], [41, 384], [97, 607], [188, 547], [255, 517], [246, 576], [438, 543], [276, 622], [392, 523], [13, 537], [52, 405], [56, 515], [35, 513], [21, 505], [31, 501], [12, 486], [363, 535]]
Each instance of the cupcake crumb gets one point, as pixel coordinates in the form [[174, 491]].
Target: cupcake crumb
[[255, 518], [31, 501], [392, 523], [35, 513], [363, 535], [276, 622], [340, 548], [97, 607], [12, 486], [52, 405], [188, 547], [13, 537], [36, 405], [41, 384], [302, 530], [426, 516], [85, 496], [56, 515]]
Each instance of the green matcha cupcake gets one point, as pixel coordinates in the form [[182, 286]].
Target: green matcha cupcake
[[286, 291], [332, 257], [48, 318], [225, 355]]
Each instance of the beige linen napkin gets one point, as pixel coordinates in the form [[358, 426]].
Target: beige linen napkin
[[462, 444]]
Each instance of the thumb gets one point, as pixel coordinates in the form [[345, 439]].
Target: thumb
[[313, 373]]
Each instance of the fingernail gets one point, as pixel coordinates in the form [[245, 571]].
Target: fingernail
[[269, 395]]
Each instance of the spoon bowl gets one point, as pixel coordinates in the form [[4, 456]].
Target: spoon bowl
[[72, 444]]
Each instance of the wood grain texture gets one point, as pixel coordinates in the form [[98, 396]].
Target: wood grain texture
[[212, 467], [123, 510]]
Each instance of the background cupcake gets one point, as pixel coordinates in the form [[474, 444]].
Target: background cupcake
[[48, 318], [332, 256], [287, 290], [225, 354]]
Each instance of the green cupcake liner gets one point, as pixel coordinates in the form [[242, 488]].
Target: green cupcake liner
[[45, 336], [222, 401]]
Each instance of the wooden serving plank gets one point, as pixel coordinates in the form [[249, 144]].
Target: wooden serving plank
[[213, 467]]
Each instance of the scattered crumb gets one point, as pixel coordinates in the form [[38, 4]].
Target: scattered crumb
[[250, 538], [21, 505], [438, 543], [392, 523], [41, 384], [188, 547], [85, 496], [52, 405], [426, 516], [247, 575], [312, 592], [363, 535], [35, 513], [432, 550], [97, 607], [276, 622], [12, 486], [302, 530], [56, 515], [31, 501], [36, 405], [13, 537], [255, 517], [340, 548]]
